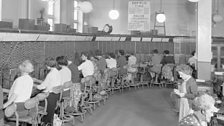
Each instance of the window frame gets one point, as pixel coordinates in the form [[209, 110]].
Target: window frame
[[50, 16], [76, 10]]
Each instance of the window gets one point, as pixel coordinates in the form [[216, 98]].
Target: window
[[75, 10], [50, 7], [75, 25], [51, 23], [76, 15], [50, 13]]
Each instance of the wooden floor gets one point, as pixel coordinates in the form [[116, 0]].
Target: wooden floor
[[143, 107]]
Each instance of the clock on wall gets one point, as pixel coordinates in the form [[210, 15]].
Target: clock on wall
[[107, 28]]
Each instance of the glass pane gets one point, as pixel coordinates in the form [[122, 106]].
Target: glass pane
[[214, 51], [50, 7], [75, 15], [75, 25], [214, 62], [51, 23], [222, 51], [222, 63], [75, 3]]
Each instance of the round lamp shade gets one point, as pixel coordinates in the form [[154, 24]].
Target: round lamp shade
[[217, 18], [161, 18], [86, 7], [113, 14], [193, 0]]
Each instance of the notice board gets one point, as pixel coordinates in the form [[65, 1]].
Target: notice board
[[139, 15]]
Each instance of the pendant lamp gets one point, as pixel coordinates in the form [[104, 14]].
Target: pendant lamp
[[217, 18], [160, 17], [113, 14], [86, 6]]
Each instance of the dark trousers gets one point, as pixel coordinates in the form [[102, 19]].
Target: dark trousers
[[51, 105]]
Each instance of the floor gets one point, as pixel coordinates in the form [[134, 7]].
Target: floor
[[143, 107]]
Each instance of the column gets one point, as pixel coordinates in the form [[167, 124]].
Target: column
[[0, 10], [204, 41], [27, 9]]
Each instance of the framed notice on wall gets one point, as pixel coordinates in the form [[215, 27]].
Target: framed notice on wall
[[139, 15]]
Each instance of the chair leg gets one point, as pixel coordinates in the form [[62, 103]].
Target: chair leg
[[94, 106], [17, 119], [99, 103], [73, 121], [82, 117], [24, 124], [91, 110]]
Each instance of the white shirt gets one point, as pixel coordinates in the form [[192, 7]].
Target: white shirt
[[192, 60], [22, 87], [111, 63], [53, 79], [132, 60], [87, 68], [66, 74]]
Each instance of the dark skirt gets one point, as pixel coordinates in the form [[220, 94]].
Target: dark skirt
[[66, 93], [51, 105], [21, 110]]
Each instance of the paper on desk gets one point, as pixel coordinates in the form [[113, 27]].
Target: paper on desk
[[176, 91], [5, 90], [220, 117], [219, 73], [200, 80]]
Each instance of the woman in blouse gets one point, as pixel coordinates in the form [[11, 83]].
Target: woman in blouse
[[187, 90], [111, 61], [21, 89], [1, 107], [52, 80], [203, 111], [131, 67], [167, 58], [121, 62], [73, 66], [65, 72], [87, 67], [156, 66]]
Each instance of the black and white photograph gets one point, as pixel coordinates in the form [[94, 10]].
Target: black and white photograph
[[111, 62]]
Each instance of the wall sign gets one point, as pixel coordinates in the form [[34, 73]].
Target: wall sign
[[139, 15]]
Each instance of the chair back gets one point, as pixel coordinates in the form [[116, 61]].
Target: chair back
[[10, 110], [167, 71], [113, 72], [31, 103], [75, 94], [42, 96], [31, 110], [67, 85], [58, 89], [88, 81]]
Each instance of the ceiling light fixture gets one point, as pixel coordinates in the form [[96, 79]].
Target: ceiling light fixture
[[160, 16], [193, 0], [217, 18], [86, 6], [114, 14]]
